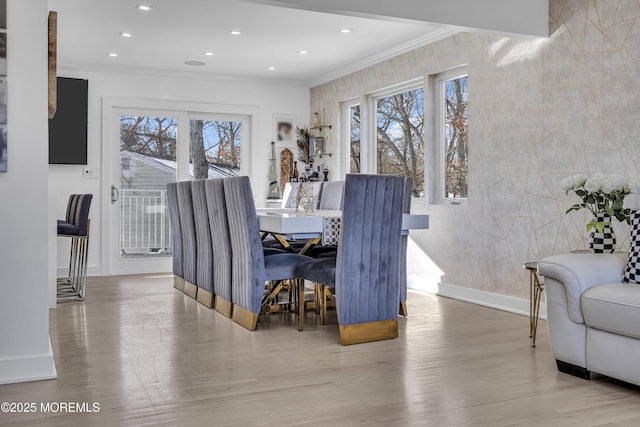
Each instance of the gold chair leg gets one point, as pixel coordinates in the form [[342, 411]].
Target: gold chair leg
[[403, 309], [325, 295], [300, 305]]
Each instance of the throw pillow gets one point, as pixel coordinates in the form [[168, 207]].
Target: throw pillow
[[632, 270]]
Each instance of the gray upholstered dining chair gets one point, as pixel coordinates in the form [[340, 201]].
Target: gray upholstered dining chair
[[364, 275], [406, 208], [75, 226], [250, 268], [221, 242], [189, 245], [204, 249], [176, 235], [332, 196]]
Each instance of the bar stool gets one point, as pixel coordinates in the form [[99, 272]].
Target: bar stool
[[75, 226]]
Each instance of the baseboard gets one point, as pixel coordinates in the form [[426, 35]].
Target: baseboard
[[30, 368], [475, 296]]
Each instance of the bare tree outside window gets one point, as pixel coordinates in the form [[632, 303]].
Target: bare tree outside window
[[354, 137], [400, 137], [215, 142], [151, 137], [456, 99]]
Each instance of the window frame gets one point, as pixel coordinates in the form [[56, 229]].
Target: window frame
[[347, 105], [439, 109], [370, 149]]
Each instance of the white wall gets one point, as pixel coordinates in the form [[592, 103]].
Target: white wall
[[25, 352], [269, 100]]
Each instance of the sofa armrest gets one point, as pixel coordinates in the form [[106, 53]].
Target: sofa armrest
[[579, 272]]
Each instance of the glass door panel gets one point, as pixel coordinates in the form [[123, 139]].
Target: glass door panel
[[147, 164], [215, 150]]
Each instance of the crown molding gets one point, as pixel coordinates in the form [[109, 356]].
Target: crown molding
[[174, 74], [360, 65]]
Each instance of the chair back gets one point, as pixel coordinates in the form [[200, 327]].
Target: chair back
[[332, 196], [176, 230], [368, 261], [406, 208], [204, 250], [220, 239], [78, 213], [289, 195], [291, 192], [187, 224], [247, 256]]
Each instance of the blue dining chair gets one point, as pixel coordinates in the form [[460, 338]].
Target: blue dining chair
[[332, 196], [250, 268], [189, 245], [221, 242], [204, 268], [406, 208], [176, 235], [364, 275]]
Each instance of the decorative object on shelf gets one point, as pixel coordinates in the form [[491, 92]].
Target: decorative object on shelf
[[303, 144], [274, 190], [283, 129], [325, 171], [294, 175], [603, 195], [286, 167], [305, 199], [316, 120], [316, 146], [604, 241]]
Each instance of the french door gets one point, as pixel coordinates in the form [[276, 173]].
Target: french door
[[149, 149]]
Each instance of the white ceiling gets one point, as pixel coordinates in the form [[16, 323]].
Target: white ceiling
[[178, 31]]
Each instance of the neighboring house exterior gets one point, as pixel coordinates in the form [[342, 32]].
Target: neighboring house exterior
[[144, 214]]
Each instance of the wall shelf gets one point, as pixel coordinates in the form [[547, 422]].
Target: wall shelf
[[321, 127]]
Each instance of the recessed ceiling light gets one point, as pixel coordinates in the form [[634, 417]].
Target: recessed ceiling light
[[144, 7], [346, 30], [303, 52], [235, 33], [126, 35], [271, 68], [208, 54], [112, 54], [195, 63]]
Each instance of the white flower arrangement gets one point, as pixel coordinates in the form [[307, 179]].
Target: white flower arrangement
[[601, 194]]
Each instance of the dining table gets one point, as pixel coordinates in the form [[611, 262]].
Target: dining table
[[291, 224], [313, 227]]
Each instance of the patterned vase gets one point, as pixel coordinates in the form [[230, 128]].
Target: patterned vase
[[604, 242]]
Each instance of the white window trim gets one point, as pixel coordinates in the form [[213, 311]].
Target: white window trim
[[345, 132], [439, 137]]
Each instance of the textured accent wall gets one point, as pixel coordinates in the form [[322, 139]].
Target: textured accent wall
[[539, 111]]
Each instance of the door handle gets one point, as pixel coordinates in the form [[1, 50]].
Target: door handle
[[115, 194]]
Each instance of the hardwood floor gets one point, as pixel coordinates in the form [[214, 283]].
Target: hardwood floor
[[149, 355]]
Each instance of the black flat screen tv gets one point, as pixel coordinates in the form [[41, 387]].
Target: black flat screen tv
[[68, 127]]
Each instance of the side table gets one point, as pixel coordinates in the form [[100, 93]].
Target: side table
[[535, 293]]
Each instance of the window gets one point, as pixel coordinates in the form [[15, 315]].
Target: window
[[452, 138], [400, 137], [215, 148], [354, 139]]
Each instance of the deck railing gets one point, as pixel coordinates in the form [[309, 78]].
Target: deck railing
[[144, 223]]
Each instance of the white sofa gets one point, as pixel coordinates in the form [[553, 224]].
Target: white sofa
[[593, 318]]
